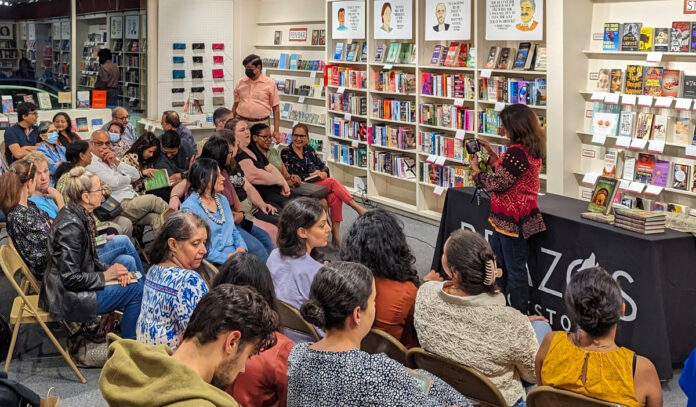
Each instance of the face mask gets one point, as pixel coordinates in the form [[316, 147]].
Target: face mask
[[52, 138], [249, 73], [114, 137]]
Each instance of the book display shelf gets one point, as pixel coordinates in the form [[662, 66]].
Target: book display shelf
[[394, 134]]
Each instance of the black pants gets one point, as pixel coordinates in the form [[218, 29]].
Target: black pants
[[271, 194]]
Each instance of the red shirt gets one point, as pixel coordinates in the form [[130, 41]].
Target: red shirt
[[394, 306]]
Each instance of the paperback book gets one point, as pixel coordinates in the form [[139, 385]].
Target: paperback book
[[659, 130], [604, 80], [680, 36], [616, 81], [630, 36], [645, 167], [434, 60], [692, 46], [634, 80], [644, 126], [671, 82], [44, 101], [646, 39], [159, 179], [7, 104], [522, 54], [681, 130], [661, 40], [493, 54], [653, 81], [626, 124], [611, 37], [603, 195], [661, 173], [379, 53], [680, 176], [689, 86]]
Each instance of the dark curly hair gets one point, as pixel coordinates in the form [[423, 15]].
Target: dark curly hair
[[466, 253], [228, 308], [302, 212], [247, 269], [336, 290], [376, 240], [593, 300], [145, 141]]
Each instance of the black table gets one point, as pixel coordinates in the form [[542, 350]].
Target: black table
[[657, 272]]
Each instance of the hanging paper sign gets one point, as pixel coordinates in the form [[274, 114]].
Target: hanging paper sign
[[348, 19], [393, 19], [515, 20]]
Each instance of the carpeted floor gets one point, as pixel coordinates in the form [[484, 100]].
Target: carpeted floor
[[38, 365]]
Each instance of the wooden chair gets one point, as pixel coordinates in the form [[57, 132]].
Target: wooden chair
[[378, 341], [291, 319], [208, 272], [547, 396], [469, 382], [25, 308]]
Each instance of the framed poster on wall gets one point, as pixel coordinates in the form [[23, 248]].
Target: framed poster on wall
[[523, 21], [393, 19], [348, 19], [116, 27], [6, 30], [132, 27], [65, 30], [447, 20]]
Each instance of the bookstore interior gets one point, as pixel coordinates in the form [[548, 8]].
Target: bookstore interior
[[397, 95]]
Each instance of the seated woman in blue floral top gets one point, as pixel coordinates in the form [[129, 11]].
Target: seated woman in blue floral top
[[172, 287], [334, 371]]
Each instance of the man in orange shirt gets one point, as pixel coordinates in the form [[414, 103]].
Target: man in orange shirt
[[256, 96]]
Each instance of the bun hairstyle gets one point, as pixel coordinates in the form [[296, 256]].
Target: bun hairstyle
[[336, 290], [79, 181], [471, 258], [12, 181], [593, 300]]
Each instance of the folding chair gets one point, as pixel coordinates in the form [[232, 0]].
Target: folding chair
[[547, 396], [208, 272], [469, 382], [378, 341], [290, 318], [25, 308], [29, 283]]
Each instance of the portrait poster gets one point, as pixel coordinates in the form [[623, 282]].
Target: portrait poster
[[6, 30], [447, 20], [116, 27], [55, 30], [132, 27], [393, 19], [348, 19], [521, 20], [65, 30], [31, 32]]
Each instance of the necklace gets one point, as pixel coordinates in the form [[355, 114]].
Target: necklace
[[210, 214]]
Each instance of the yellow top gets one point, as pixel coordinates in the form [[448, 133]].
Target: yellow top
[[609, 374]]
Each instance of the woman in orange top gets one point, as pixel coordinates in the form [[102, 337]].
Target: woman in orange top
[[377, 241], [588, 361]]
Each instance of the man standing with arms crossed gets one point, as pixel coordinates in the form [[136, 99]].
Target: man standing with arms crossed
[[256, 96]]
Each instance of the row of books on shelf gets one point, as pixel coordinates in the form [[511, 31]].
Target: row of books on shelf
[[346, 154], [446, 176], [680, 37], [527, 56], [348, 129], [513, 90], [455, 54], [131, 61], [8, 54], [348, 103], [288, 113], [8, 44], [87, 80], [355, 51], [612, 122], [400, 137], [450, 116], [647, 80], [457, 85], [132, 76], [395, 81], [395, 164], [438, 144], [289, 87], [489, 122], [346, 76], [394, 109], [61, 45], [396, 53], [286, 61]]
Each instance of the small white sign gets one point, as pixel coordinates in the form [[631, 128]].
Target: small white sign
[[623, 142], [355, 144], [638, 144], [486, 73], [431, 158], [612, 98], [628, 100], [439, 190], [636, 187], [645, 100], [599, 138], [653, 190], [313, 74], [663, 102], [460, 134], [440, 161], [623, 185], [590, 178], [499, 106], [301, 99], [388, 67], [459, 102], [683, 104], [656, 146], [341, 89], [347, 116], [653, 57], [690, 151], [598, 96]]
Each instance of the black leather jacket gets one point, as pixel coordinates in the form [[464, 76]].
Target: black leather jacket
[[73, 275]]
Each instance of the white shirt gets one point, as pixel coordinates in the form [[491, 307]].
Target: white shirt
[[118, 178]]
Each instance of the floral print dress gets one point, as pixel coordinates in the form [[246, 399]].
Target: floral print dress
[[28, 227]]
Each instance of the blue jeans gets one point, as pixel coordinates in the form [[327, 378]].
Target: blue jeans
[[128, 298], [541, 328], [511, 253], [258, 242], [119, 249]]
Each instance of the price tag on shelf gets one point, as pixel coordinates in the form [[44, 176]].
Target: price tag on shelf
[[313, 74], [690, 151], [623, 142], [388, 67], [347, 116], [645, 100], [612, 98], [126, 84], [623, 184], [499, 106], [590, 178], [459, 102], [439, 190], [683, 104], [598, 96], [486, 73], [460, 134], [653, 57], [431, 158], [440, 161], [653, 190], [636, 187], [628, 100], [656, 146], [638, 144], [301, 99], [663, 102], [341, 89], [355, 144], [599, 138]]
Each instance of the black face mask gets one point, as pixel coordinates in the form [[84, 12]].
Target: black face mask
[[250, 73]]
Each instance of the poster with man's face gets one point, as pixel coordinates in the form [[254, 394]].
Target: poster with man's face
[[521, 20], [5, 30], [393, 19], [348, 19], [116, 27], [447, 20], [132, 27]]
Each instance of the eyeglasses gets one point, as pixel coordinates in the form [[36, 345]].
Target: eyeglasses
[[96, 190], [300, 135], [265, 137], [100, 143], [123, 118]]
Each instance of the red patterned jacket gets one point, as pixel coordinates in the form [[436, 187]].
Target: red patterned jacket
[[514, 189]]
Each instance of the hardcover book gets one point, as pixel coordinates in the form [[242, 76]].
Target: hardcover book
[[681, 130], [338, 53], [644, 125], [471, 58], [626, 124], [463, 54], [653, 81], [689, 86], [44, 101], [680, 176], [671, 82], [630, 36], [603, 195], [604, 80], [405, 53], [611, 37], [83, 98], [504, 59], [492, 58], [616, 80], [659, 131], [661, 40], [661, 173], [434, 60], [522, 54], [379, 54], [451, 57], [645, 167], [634, 80], [680, 36], [392, 53], [540, 61], [646, 39]]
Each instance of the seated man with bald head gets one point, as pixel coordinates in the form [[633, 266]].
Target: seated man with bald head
[[120, 115], [171, 121], [140, 209]]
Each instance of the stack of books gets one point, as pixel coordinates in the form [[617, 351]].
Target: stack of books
[[640, 221]]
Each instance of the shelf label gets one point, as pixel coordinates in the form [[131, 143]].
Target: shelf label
[[645, 100], [301, 99], [683, 104], [623, 185], [499, 106], [486, 73], [355, 144], [440, 161], [656, 146], [636, 187], [638, 143], [590, 178], [599, 138], [653, 190], [388, 67], [460, 134], [439, 190], [612, 98], [597, 96], [313, 74], [623, 142], [653, 57], [628, 100], [347, 116], [594, 76], [690, 151], [341, 89], [431, 158], [597, 36], [664, 102], [459, 102]]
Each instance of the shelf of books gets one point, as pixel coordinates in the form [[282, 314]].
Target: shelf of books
[[639, 98]]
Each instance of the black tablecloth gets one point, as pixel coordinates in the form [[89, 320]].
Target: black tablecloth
[[657, 272]]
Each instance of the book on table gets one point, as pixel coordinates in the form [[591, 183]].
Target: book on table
[[159, 179], [603, 195]]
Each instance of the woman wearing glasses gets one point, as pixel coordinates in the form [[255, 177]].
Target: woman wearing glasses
[[301, 160]]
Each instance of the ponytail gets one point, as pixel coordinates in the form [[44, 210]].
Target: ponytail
[[12, 181]]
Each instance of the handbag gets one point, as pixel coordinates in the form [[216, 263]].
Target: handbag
[[89, 345], [108, 210], [311, 190]]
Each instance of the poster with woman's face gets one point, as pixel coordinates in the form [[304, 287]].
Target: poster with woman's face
[[515, 20], [6, 30], [348, 19], [447, 20], [132, 26], [116, 27], [393, 19]]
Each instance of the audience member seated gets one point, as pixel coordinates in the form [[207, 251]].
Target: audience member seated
[[206, 201], [301, 160], [120, 115], [142, 156], [229, 324], [257, 170], [334, 371], [54, 153], [377, 241], [171, 121], [588, 361], [140, 209], [27, 225], [45, 197], [172, 287], [63, 124], [264, 381], [76, 285], [466, 319], [22, 138], [118, 144], [174, 156], [221, 116]]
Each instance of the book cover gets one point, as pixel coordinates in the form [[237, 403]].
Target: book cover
[[630, 36], [645, 167], [610, 160], [611, 37], [471, 58], [616, 81], [682, 127], [98, 99], [405, 53], [540, 62], [97, 123], [492, 58], [81, 123], [661, 173], [659, 130], [639, 214], [529, 63], [680, 176], [521, 57], [629, 169], [82, 98], [159, 179], [644, 125], [392, 53], [692, 46], [379, 54], [44, 101], [7, 104], [689, 88], [604, 80], [338, 53], [540, 89], [680, 36], [653, 81], [646, 39], [634, 80], [351, 48], [677, 208], [435, 59], [603, 195], [661, 39], [605, 123], [671, 82], [29, 99], [626, 123], [693, 179], [451, 57], [463, 54]]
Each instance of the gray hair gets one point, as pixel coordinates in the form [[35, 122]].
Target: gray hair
[[43, 126], [179, 226], [79, 182], [529, 1]]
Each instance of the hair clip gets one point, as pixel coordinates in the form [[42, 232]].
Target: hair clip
[[492, 272]]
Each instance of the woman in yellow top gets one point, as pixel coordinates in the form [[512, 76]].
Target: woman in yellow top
[[588, 361]]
